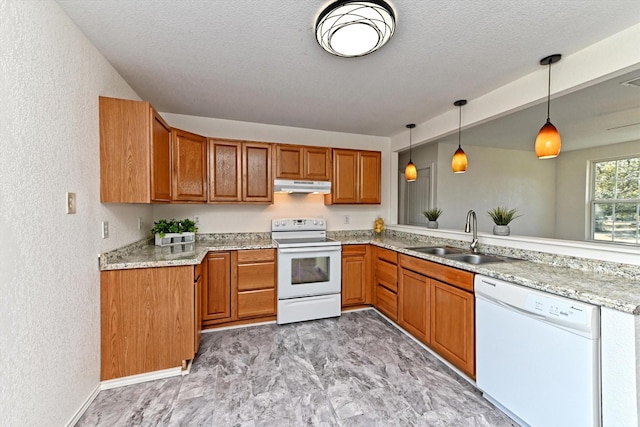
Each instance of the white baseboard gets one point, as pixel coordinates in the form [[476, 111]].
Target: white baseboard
[[140, 378], [226, 328], [80, 412]]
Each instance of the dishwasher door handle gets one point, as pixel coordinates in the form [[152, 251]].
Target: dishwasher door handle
[[512, 307]]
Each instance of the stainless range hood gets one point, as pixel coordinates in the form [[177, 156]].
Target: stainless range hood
[[300, 186]]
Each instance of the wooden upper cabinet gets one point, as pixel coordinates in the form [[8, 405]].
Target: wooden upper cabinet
[[369, 171], [135, 153], [257, 177], [189, 166], [161, 163], [289, 162], [240, 171], [225, 174], [356, 177], [301, 162]]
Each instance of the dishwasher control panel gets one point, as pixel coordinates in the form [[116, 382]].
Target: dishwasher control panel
[[556, 308]]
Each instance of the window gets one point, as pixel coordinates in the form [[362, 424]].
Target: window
[[414, 198], [615, 201]]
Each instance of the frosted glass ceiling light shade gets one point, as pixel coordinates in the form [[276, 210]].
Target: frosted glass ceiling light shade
[[548, 141], [459, 160], [355, 28], [410, 172]]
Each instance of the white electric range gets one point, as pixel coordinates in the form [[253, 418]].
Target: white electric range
[[309, 270]]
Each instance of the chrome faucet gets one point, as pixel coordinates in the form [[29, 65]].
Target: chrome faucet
[[468, 228]]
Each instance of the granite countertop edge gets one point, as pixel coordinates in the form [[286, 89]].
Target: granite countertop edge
[[595, 287]]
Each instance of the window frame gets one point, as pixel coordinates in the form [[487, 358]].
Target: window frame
[[592, 201]]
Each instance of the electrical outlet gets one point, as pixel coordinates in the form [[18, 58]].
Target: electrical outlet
[[196, 219], [139, 223], [71, 203], [105, 229], [347, 219]]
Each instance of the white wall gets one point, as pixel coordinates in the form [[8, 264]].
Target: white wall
[[572, 207], [50, 79], [257, 218]]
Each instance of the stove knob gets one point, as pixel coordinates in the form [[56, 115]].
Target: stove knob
[[315, 222], [321, 222]]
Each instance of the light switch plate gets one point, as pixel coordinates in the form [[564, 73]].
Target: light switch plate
[[105, 229], [71, 203]]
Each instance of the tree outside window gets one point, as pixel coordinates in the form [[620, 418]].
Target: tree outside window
[[616, 201]]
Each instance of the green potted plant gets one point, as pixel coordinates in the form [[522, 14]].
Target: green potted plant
[[172, 232], [432, 216], [501, 217]]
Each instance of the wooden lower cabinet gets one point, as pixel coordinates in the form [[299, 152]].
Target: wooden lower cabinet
[[147, 320], [255, 283], [453, 325], [441, 315], [355, 275], [414, 305], [216, 294], [199, 274], [385, 277]]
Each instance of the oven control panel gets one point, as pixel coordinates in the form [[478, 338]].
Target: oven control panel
[[298, 224]]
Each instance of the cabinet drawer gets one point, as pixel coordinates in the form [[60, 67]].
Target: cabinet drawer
[[252, 255], [354, 249], [387, 255], [459, 278], [387, 273], [256, 303], [387, 302], [258, 275]]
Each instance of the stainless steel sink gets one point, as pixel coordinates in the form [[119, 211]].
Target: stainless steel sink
[[436, 250], [475, 258]]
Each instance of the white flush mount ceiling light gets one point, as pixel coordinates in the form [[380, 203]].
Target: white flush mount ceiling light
[[355, 28]]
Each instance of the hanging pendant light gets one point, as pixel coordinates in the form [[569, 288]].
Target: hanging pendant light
[[410, 172], [548, 141], [459, 161]]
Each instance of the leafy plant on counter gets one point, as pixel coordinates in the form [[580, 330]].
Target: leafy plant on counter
[[501, 215], [162, 227], [432, 214]]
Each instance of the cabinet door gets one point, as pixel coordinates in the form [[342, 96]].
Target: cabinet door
[[257, 185], [369, 168], [345, 176], [317, 163], [189, 166], [199, 273], [354, 275], [414, 306], [147, 320], [453, 325], [216, 296], [225, 175], [161, 163], [289, 162]]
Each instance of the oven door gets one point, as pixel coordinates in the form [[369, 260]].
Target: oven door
[[308, 271]]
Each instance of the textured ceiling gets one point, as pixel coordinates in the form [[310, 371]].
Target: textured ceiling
[[258, 61]]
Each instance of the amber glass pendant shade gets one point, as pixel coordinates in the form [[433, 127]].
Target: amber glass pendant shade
[[459, 161], [548, 142], [410, 172]]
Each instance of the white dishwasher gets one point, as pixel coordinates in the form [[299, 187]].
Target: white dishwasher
[[537, 354]]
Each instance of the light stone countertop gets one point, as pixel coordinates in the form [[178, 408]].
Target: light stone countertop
[[616, 286]]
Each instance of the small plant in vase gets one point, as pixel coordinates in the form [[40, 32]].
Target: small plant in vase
[[501, 217], [171, 232], [432, 216]]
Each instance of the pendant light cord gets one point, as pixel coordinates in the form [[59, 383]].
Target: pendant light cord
[[459, 126], [410, 135], [549, 95]]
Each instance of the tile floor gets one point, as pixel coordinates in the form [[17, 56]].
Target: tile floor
[[356, 370]]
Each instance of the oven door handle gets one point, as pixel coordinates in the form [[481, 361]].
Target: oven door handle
[[310, 249]]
